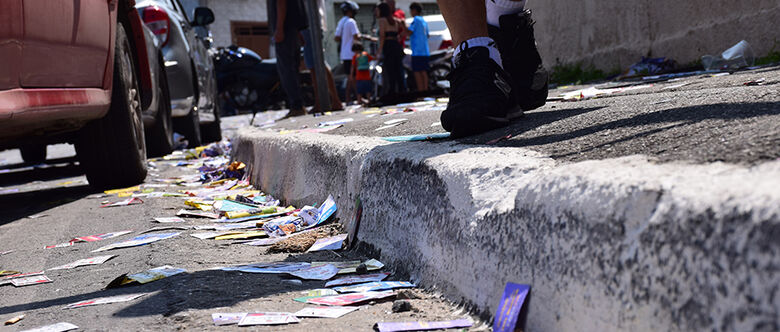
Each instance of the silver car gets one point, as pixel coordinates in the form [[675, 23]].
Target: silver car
[[189, 67]]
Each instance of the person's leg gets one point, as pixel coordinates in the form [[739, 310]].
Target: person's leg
[[512, 29], [418, 80], [335, 102], [465, 19], [317, 107], [347, 64], [287, 66], [424, 76], [480, 95]]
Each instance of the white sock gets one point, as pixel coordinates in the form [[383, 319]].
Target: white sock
[[497, 8], [479, 42]]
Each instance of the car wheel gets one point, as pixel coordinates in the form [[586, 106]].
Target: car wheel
[[189, 126], [33, 154], [160, 140], [112, 150]]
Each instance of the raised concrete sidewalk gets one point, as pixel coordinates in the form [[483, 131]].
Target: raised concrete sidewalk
[[611, 243]]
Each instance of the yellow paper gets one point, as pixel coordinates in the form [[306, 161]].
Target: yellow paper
[[244, 235], [116, 191]]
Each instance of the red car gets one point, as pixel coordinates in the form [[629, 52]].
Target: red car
[[78, 72]]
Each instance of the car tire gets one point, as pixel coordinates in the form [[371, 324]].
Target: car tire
[[112, 150], [33, 154], [160, 140], [189, 126]]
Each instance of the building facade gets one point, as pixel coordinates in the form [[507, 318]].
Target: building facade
[[245, 22]]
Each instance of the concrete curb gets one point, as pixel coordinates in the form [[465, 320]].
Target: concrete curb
[[613, 244]]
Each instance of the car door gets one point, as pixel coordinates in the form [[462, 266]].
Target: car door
[[204, 66], [66, 43]]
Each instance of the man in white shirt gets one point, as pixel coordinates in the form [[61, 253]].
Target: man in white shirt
[[347, 33]]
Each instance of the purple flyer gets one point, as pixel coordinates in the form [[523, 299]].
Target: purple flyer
[[510, 306]]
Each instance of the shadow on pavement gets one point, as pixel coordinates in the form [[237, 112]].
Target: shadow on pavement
[[704, 133], [25, 193], [204, 289]]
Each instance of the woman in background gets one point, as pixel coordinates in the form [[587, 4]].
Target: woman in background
[[389, 47]]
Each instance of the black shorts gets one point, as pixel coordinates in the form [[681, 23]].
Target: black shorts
[[419, 63]]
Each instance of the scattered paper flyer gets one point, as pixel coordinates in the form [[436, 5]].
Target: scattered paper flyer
[[422, 326], [7, 276], [310, 294], [105, 300], [241, 235], [31, 280], [89, 238], [228, 318], [129, 201], [357, 279], [325, 312], [351, 266], [164, 228], [323, 272], [146, 276], [86, 261], [374, 286], [268, 318], [169, 219], [137, 241], [59, 327], [327, 209], [99, 237], [194, 213], [510, 306], [329, 243], [276, 267], [348, 299]]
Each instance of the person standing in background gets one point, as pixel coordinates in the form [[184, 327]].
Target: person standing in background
[[390, 49], [418, 41], [347, 33], [286, 19], [308, 59], [361, 65]]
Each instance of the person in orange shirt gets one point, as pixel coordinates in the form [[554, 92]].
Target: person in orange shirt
[[361, 74]]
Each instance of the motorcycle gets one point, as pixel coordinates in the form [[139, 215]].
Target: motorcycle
[[247, 82]]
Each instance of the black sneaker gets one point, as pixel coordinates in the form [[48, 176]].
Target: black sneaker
[[521, 60], [480, 95]]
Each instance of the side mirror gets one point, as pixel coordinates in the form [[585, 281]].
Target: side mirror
[[203, 16]]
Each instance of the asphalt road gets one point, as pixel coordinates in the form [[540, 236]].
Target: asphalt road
[[60, 193], [696, 119]]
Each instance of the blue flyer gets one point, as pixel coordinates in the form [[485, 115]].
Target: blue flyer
[[509, 309]]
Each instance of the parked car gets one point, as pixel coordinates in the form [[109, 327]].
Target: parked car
[[439, 37], [188, 65], [158, 122], [86, 81]]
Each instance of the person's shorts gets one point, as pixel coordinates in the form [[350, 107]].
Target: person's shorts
[[308, 51], [363, 87], [419, 63]]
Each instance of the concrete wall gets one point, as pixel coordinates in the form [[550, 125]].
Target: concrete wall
[[233, 10], [612, 34]]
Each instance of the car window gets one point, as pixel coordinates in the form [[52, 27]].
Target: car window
[[184, 12]]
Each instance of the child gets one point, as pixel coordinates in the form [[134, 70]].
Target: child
[[360, 72], [418, 41]]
